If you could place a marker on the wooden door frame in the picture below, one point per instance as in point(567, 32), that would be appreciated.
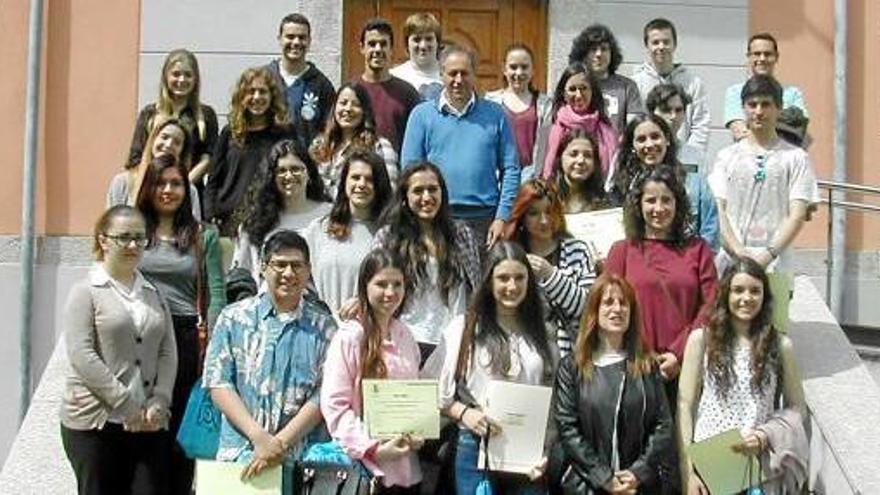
point(529, 24)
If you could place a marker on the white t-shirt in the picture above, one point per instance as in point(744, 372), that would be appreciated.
point(758, 200)
point(428, 84)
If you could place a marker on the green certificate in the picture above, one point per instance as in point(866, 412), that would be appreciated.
point(723, 470)
point(394, 407)
point(213, 477)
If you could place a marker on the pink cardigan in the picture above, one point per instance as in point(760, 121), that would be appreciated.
point(341, 397)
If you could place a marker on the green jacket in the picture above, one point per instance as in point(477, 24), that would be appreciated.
point(213, 270)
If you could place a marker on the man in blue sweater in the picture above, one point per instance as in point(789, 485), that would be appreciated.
point(471, 141)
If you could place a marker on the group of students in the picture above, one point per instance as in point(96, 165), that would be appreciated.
point(399, 239)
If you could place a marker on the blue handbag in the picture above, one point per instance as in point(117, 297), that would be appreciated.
point(199, 433)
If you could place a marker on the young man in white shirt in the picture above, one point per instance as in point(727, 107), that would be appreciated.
point(764, 185)
point(422, 34)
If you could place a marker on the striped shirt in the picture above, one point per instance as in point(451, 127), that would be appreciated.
point(566, 291)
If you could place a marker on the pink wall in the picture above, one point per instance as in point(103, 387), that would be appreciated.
point(805, 30)
point(89, 106)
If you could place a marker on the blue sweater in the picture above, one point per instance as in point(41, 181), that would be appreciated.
point(476, 153)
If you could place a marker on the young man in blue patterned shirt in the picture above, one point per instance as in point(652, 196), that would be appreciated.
point(264, 362)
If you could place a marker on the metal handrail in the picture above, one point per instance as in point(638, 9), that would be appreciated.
point(845, 187)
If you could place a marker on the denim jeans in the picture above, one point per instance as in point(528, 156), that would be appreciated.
point(468, 474)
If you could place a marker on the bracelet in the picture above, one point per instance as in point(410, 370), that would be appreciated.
point(461, 414)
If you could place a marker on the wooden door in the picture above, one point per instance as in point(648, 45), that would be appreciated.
point(485, 26)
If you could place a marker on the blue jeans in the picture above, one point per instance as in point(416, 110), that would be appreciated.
point(468, 475)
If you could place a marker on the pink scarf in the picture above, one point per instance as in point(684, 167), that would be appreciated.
point(566, 120)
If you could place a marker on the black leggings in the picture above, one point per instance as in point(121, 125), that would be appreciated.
point(112, 461)
point(182, 468)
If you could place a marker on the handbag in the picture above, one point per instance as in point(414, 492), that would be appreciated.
point(318, 478)
point(199, 432)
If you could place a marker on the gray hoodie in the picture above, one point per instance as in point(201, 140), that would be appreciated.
point(695, 130)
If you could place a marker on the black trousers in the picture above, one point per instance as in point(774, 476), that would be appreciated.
point(182, 467)
point(112, 461)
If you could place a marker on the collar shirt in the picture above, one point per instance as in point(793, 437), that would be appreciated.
point(272, 361)
point(444, 105)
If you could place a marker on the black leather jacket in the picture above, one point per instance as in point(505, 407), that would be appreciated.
point(645, 441)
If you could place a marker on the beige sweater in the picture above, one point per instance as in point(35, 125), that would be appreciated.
point(105, 352)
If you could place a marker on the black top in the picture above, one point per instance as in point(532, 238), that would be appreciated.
point(186, 117)
point(584, 412)
point(309, 100)
point(233, 169)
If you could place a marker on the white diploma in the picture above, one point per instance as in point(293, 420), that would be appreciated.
point(598, 229)
point(522, 412)
point(395, 407)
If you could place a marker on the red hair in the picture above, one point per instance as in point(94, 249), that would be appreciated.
point(530, 191)
point(640, 360)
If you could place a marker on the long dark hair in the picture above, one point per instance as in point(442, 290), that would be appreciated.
point(481, 324)
point(365, 135)
point(405, 235)
point(639, 358)
point(593, 189)
point(339, 225)
point(263, 203)
point(681, 230)
point(186, 228)
point(372, 364)
point(597, 102)
point(629, 166)
point(763, 336)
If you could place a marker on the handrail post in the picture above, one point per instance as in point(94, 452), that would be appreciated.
point(829, 257)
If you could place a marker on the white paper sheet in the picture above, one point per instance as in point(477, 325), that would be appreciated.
point(522, 411)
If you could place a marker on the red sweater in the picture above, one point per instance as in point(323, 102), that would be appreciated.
point(688, 273)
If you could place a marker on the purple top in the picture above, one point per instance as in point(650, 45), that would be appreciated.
point(524, 125)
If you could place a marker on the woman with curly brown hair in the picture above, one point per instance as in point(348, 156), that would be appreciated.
point(734, 369)
point(671, 269)
point(257, 120)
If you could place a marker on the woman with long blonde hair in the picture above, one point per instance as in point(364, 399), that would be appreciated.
point(178, 98)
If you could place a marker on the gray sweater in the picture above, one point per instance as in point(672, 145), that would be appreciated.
point(105, 352)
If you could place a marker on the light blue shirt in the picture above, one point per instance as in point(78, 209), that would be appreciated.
point(272, 361)
point(733, 108)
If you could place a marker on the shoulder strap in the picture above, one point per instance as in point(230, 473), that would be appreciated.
point(201, 293)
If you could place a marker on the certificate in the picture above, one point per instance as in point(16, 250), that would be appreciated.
point(722, 470)
point(522, 412)
point(598, 229)
point(213, 477)
point(394, 407)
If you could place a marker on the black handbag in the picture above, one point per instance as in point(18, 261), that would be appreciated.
point(318, 478)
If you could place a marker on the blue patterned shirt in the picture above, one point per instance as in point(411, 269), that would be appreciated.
point(272, 361)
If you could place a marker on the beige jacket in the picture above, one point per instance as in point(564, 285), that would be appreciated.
point(105, 353)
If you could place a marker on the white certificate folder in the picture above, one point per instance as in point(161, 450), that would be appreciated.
point(522, 412)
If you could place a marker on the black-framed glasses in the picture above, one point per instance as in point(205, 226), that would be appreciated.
point(761, 173)
point(281, 266)
point(125, 240)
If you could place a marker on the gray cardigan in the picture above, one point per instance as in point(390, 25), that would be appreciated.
point(104, 352)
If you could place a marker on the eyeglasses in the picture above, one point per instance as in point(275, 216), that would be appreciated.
point(281, 172)
point(279, 266)
point(125, 240)
point(761, 173)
